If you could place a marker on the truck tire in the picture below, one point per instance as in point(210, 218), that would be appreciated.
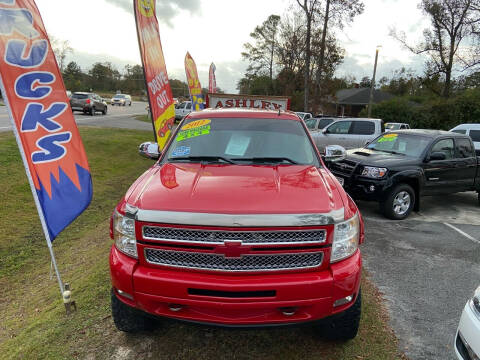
point(92, 111)
point(345, 326)
point(399, 203)
point(129, 320)
point(104, 112)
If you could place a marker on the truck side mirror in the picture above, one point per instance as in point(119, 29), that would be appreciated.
point(334, 153)
point(437, 155)
point(149, 150)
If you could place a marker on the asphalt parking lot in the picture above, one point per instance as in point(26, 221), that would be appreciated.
point(427, 266)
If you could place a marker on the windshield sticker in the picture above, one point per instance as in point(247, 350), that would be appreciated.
point(181, 151)
point(387, 138)
point(199, 131)
point(237, 145)
point(196, 124)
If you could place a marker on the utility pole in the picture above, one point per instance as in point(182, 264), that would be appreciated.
point(372, 84)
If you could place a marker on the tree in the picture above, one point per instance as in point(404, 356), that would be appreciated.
point(104, 76)
point(261, 54)
point(453, 23)
point(133, 79)
point(310, 9)
point(365, 82)
point(339, 13)
point(61, 48)
point(73, 77)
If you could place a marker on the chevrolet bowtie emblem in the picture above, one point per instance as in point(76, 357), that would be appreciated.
point(232, 249)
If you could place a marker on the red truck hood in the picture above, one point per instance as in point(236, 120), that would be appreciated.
point(236, 189)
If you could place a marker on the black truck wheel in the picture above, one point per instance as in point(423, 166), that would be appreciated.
point(128, 319)
point(92, 111)
point(399, 203)
point(344, 326)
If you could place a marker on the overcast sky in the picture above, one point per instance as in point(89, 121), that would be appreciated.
point(215, 30)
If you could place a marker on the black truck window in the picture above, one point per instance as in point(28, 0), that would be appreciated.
point(464, 148)
point(444, 146)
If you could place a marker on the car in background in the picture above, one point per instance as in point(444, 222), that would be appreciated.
point(472, 130)
point(399, 167)
point(467, 339)
point(88, 103)
point(304, 115)
point(396, 126)
point(318, 123)
point(349, 133)
point(183, 109)
point(69, 93)
point(121, 100)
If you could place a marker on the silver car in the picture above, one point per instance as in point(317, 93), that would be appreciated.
point(349, 132)
point(315, 124)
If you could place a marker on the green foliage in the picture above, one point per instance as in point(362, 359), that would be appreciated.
point(437, 113)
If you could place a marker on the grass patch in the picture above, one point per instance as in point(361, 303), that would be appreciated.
point(144, 118)
point(34, 325)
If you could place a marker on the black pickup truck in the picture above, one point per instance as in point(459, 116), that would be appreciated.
point(397, 168)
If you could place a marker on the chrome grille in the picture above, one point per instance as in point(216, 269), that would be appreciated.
point(246, 237)
point(216, 262)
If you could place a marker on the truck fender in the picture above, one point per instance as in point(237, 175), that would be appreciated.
point(412, 177)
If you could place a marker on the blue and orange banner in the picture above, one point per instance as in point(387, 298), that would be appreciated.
point(198, 103)
point(43, 123)
point(158, 87)
point(212, 82)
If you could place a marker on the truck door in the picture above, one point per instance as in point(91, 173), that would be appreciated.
point(440, 175)
point(338, 133)
point(466, 164)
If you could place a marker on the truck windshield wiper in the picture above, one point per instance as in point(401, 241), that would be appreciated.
point(267, 159)
point(201, 158)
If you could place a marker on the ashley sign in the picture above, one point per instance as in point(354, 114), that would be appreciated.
point(248, 101)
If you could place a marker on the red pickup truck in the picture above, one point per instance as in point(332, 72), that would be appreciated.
point(238, 223)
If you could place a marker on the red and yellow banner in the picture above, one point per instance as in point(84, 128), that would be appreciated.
point(158, 87)
point(194, 86)
point(212, 82)
point(43, 123)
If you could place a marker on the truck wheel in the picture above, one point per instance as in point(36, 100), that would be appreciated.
point(345, 326)
point(128, 319)
point(399, 203)
point(104, 112)
point(92, 111)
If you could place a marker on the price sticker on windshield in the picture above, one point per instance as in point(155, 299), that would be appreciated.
point(387, 138)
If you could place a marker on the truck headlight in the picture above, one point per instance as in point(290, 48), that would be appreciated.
point(475, 302)
point(374, 172)
point(124, 234)
point(345, 239)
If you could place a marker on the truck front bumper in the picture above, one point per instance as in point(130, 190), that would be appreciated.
point(236, 300)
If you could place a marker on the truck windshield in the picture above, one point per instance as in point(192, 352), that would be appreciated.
point(243, 141)
point(404, 144)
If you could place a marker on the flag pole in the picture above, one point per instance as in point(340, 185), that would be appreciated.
point(32, 186)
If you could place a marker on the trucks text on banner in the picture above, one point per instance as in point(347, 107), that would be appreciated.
point(194, 84)
point(43, 123)
point(155, 70)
